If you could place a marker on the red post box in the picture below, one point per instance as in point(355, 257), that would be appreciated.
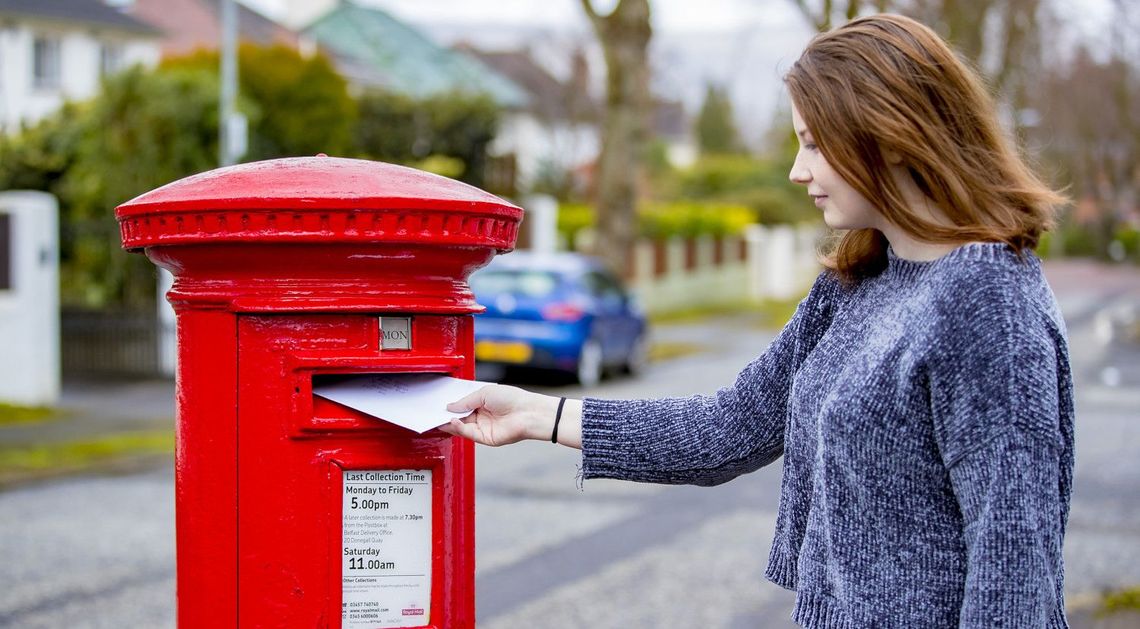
point(293, 511)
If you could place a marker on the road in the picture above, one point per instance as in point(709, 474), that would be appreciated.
point(99, 552)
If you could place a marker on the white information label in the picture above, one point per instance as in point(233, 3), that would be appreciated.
point(386, 554)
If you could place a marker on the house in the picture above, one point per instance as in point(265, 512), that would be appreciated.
point(372, 49)
point(57, 50)
point(189, 25)
point(556, 133)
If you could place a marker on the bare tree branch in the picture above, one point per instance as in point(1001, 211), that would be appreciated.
point(820, 21)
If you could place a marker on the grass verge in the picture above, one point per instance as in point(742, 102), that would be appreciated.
point(775, 313)
point(15, 414)
point(696, 313)
point(1117, 601)
point(668, 351)
point(34, 461)
point(769, 313)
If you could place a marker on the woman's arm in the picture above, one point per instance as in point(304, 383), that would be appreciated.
point(1000, 399)
point(703, 439)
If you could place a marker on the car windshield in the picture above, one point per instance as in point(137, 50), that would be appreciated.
point(519, 282)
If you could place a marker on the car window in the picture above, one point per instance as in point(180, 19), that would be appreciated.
point(603, 285)
point(520, 282)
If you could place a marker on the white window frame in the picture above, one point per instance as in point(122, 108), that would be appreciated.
point(47, 62)
point(110, 58)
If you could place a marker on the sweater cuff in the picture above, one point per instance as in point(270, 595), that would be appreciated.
point(602, 423)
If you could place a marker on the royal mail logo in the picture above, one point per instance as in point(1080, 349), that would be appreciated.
point(413, 611)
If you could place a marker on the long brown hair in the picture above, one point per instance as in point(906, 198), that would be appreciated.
point(888, 83)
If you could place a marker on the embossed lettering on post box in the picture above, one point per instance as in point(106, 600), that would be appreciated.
point(395, 333)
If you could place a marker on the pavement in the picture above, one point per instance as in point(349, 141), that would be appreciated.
point(98, 407)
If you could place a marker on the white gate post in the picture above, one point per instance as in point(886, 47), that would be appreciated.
point(29, 298)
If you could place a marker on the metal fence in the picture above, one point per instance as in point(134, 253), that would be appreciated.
point(109, 343)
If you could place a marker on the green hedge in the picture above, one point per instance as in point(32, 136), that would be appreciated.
point(689, 219)
point(661, 221)
point(1129, 238)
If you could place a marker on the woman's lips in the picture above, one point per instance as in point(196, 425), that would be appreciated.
point(819, 199)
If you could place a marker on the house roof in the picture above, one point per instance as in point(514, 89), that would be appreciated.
point(85, 12)
point(373, 48)
point(193, 24)
point(549, 98)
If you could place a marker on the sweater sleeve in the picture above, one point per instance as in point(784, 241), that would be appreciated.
point(996, 407)
point(706, 439)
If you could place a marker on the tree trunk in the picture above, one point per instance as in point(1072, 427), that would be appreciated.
point(624, 35)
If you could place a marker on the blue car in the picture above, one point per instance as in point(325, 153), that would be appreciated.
point(561, 311)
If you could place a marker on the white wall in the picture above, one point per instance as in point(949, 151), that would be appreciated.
point(80, 67)
point(780, 263)
point(533, 142)
point(301, 13)
point(29, 312)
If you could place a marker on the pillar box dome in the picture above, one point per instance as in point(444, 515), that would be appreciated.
point(311, 233)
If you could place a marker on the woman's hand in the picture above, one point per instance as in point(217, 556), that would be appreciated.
point(501, 415)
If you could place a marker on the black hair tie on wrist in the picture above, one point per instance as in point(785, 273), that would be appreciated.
point(557, 418)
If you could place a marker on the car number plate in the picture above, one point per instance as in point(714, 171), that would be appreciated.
point(503, 352)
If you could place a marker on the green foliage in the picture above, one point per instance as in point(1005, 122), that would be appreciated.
point(689, 219)
point(760, 184)
point(391, 128)
point(1045, 245)
point(38, 157)
point(1079, 241)
point(715, 125)
point(296, 105)
point(441, 165)
point(553, 179)
point(656, 159)
point(150, 127)
point(146, 129)
point(684, 219)
point(572, 219)
point(1129, 239)
point(397, 128)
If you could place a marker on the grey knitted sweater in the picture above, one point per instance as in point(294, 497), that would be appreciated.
point(925, 417)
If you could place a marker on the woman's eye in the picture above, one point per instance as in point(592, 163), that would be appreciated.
point(809, 147)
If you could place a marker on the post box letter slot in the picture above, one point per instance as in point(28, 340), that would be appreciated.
point(315, 415)
point(386, 539)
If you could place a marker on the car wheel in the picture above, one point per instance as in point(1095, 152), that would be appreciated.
point(589, 370)
point(638, 358)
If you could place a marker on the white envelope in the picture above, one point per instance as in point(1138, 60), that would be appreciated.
point(416, 401)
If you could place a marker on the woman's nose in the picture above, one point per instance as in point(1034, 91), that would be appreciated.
point(799, 174)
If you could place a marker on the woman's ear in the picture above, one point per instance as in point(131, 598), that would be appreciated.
point(892, 157)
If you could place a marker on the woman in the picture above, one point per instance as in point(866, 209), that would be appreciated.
point(921, 394)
